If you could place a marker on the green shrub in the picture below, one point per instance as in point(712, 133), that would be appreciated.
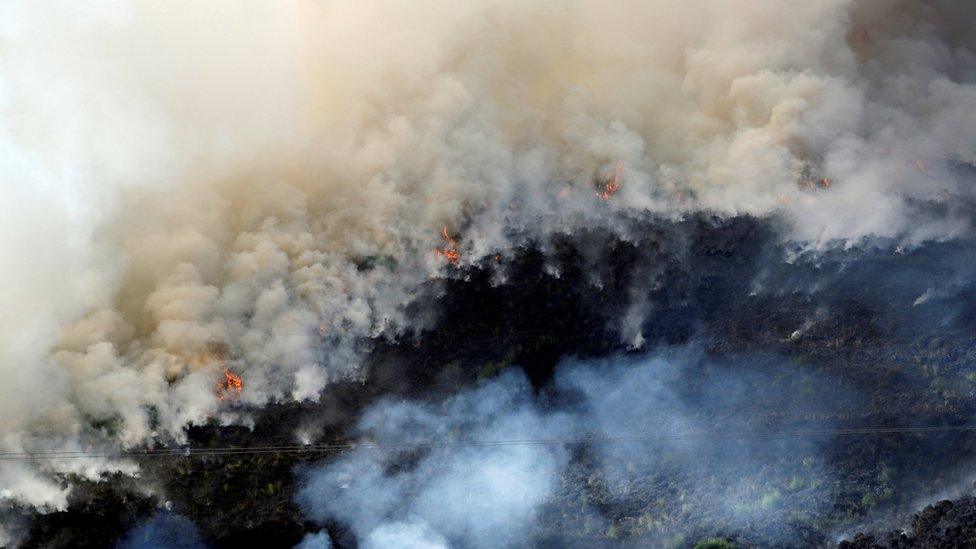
point(868, 500)
point(770, 499)
point(714, 543)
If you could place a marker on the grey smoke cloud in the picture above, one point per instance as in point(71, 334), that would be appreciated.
point(163, 531)
point(494, 495)
point(495, 491)
point(258, 188)
point(320, 540)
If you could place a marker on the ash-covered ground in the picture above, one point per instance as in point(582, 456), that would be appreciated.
point(738, 337)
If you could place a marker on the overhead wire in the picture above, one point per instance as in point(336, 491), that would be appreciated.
point(215, 451)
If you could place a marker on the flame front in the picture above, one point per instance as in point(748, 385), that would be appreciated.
point(611, 185)
point(232, 384)
point(450, 250)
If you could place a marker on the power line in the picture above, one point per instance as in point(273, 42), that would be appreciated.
point(435, 444)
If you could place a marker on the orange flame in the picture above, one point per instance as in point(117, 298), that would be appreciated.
point(232, 385)
point(450, 250)
point(809, 185)
point(612, 184)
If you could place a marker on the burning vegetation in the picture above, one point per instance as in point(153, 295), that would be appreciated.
point(810, 184)
point(610, 185)
point(230, 386)
point(449, 250)
point(300, 204)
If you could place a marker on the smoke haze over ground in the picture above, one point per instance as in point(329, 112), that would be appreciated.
point(502, 495)
point(270, 190)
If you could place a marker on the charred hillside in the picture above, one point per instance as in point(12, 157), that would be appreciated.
point(838, 342)
point(943, 524)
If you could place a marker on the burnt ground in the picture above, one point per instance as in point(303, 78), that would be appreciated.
point(941, 525)
point(728, 286)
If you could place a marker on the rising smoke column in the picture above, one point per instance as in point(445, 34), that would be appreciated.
point(258, 188)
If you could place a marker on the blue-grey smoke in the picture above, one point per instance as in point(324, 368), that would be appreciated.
point(506, 495)
point(163, 531)
point(318, 540)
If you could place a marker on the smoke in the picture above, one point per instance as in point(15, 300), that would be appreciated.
point(320, 540)
point(260, 188)
point(495, 491)
point(489, 490)
point(163, 531)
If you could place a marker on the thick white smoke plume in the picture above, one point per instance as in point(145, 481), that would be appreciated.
point(256, 187)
